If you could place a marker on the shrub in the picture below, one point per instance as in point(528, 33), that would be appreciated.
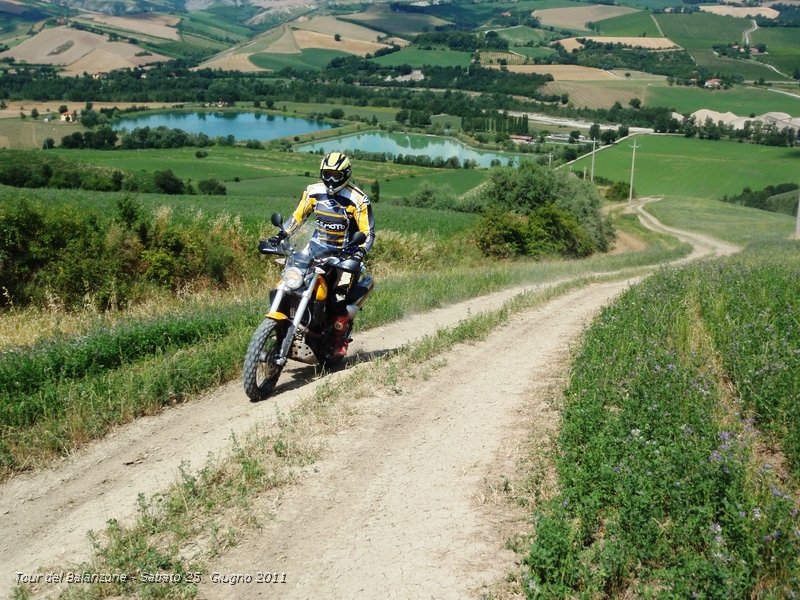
point(167, 182)
point(212, 187)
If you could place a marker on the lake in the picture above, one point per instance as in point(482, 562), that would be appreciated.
point(241, 125)
point(409, 144)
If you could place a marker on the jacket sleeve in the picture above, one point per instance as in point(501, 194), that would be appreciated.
point(304, 208)
point(366, 223)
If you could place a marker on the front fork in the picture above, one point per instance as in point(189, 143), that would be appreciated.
point(288, 339)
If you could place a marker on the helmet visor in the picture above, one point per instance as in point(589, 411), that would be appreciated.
point(333, 178)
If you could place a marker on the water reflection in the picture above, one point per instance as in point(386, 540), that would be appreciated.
point(393, 144)
point(241, 125)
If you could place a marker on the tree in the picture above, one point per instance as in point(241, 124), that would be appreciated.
point(594, 131)
point(375, 191)
point(212, 187)
point(34, 113)
point(635, 103)
point(337, 37)
point(167, 182)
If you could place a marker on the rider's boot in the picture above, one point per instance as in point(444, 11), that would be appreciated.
point(341, 335)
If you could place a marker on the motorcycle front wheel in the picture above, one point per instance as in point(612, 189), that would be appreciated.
point(260, 371)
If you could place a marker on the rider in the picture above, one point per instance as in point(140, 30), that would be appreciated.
point(340, 209)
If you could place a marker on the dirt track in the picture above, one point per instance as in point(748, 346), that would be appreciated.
point(394, 508)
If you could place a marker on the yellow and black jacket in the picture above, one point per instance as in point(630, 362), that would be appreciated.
point(338, 217)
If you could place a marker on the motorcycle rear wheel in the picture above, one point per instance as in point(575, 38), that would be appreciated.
point(260, 371)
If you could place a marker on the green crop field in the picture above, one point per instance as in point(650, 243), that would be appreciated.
point(638, 24)
point(310, 58)
point(702, 30)
point(418, 58)
point(535, 52)
point(381, 18)
point(678, 166)
point(521, 35)
point(737, 224)
point(738, 100)
point(698, 32)
point(783, 47)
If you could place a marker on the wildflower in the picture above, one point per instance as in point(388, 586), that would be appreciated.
point(757, 514)
point(716, 456)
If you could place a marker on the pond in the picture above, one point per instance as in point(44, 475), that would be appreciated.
point(409, 144)
point(241, 125)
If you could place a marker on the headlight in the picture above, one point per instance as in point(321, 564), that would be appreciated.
point(292, 278)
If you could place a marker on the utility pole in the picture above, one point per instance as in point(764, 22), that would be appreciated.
point(797, 224)
point(550, 160)
point(633, 163)
point(593, 143)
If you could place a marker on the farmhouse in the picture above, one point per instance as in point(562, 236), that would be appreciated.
point(69, 116)
point(712, 84)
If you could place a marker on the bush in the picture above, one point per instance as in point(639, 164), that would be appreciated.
point(618, 191)
point(167, 182)
point(77, 256)
point(212, 187)
point(531, 188)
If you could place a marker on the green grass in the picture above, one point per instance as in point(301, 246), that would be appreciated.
point(214, 24)
point(520, 35)
point(678, 166)
point(382, 114)
point(742, 101)
point(310, 58)
point(783, 49)
point(698, 32)
point(536, 52)
point(634, 24)
point(418, 58)
point(702, 30)
point(663, 488)
point(379, 17)
point(736, 224)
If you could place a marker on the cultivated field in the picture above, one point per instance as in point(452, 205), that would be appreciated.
point(741, 11)
point(603, 94)
point(156, 25)
point(678, 166)
point(648, 43)
point(79, 51)
point(577, 17)
point(564, 72)
point(381, 18)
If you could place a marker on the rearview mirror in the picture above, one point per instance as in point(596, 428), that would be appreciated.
point(277, 219)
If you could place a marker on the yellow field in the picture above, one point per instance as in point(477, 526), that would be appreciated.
point(571, 44)
point(494, 58)
point(331, 26)
point(592, 94)
point(79, 51)
point(741, 11)
point(313, 39)
point(160, 26)
point(577, 17)
point(563, 72)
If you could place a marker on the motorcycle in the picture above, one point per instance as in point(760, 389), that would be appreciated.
point(315, 285)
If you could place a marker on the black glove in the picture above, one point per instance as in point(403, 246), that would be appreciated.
point(359, 254)
point(275, 240)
